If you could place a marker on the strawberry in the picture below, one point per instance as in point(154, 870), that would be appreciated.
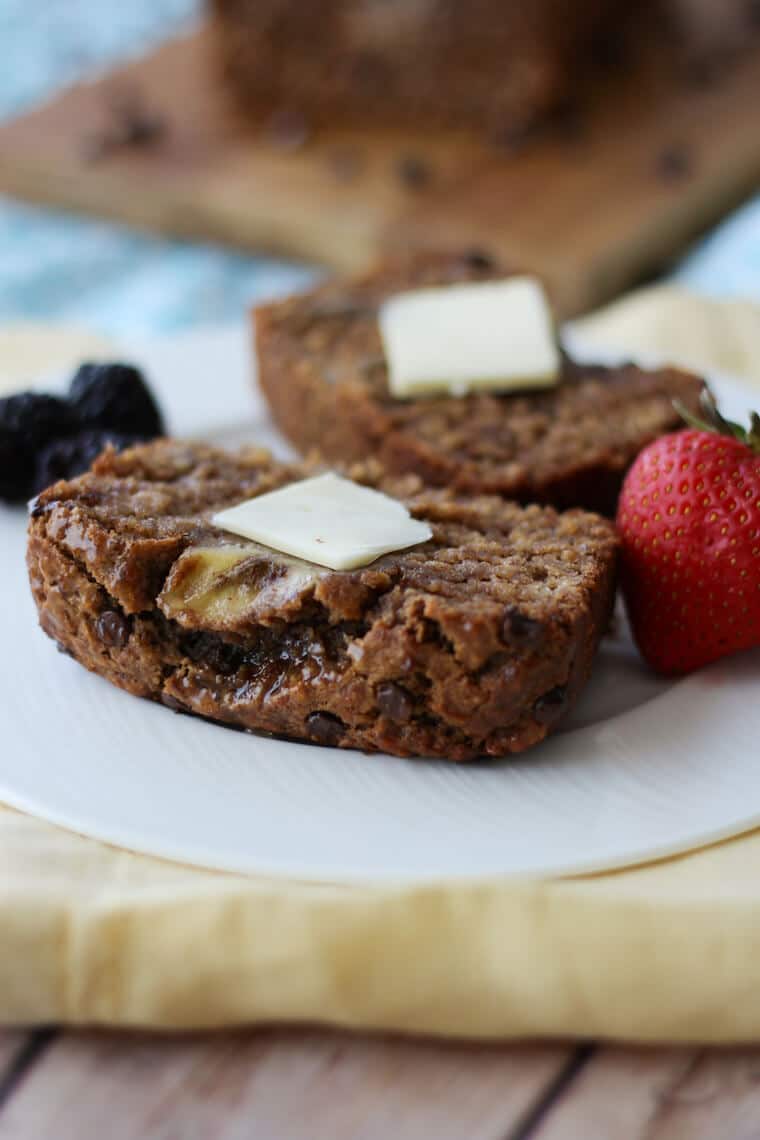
point(689, 521)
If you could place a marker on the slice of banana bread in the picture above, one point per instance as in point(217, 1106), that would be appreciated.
point(321, 367)
point(475, 643)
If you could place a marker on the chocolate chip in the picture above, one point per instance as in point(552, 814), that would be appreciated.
point(38, 509)
point(520, 628)
point(340, 308)
point(113, 629)
point(370, 71)
point(369, 364)
point(130, 124)
point(551, 705)
point(674, 164)
point(569, 122)
point(702, 71)
point(414, 172)
point(513, 138)
point(288, 130)
point(324, 728)
point(610, 50)
point(478, 261)
point(172, 703)
point(207, 649)
point(346, 163)
point(394, 702)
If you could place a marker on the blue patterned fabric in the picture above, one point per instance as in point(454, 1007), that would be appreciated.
point(54, 266)
point(63, 268)
point(727, 263)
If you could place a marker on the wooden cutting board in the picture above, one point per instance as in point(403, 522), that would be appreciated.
point(595, 203)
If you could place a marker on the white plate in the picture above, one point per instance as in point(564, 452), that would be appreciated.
point(642, 769)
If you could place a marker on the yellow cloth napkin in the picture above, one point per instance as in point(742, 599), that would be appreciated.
point(668, 952)
point(672, 324)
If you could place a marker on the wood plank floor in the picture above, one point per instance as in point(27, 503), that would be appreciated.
point(312, 1084)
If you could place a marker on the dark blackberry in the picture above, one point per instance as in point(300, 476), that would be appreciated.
point(116, 397)
point(28, 421)
point(34, 419)
point(65, 458)
point(16, 469)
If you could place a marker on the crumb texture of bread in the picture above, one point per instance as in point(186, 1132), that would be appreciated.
point(322, 369)
point(475, 643)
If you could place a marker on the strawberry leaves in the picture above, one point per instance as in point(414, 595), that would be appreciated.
point(713, 421)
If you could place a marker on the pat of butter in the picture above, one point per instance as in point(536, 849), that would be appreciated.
point(327, 520)
point(494, 335)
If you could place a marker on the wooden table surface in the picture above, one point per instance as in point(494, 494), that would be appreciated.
point(309, 1084)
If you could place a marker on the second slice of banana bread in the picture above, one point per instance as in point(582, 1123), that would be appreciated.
point(322, 370)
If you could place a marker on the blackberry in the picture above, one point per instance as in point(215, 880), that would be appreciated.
point(115, 397)
point(65, 458)
point(16, 469)
point(34, 419)
point(28, 422)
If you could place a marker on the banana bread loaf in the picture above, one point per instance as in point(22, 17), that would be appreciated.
point(492, 64)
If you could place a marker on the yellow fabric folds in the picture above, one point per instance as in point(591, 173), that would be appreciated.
point(674, 325)
point(669, 952)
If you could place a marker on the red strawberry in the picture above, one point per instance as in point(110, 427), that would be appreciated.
point(689, 520)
